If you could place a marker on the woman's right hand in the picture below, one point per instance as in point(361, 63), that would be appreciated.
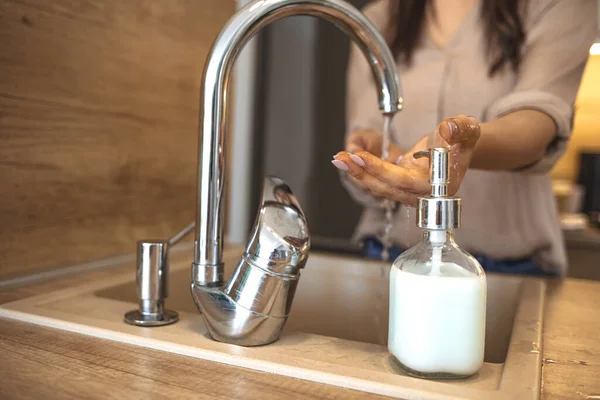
point(370, 141)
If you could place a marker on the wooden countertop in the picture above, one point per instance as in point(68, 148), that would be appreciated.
point(38, 362)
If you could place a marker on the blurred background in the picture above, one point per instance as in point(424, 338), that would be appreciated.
point(300, 126)
point(98, 125)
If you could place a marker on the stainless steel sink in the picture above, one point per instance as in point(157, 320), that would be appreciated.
point(336, 333)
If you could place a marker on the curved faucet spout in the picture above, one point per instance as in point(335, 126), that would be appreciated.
point(212, 130)
point(207, 268)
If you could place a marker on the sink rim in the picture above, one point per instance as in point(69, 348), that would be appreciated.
point(49, 310)
point(347, 298)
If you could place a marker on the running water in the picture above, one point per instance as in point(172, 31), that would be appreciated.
point(387, 204)
point(380, 329)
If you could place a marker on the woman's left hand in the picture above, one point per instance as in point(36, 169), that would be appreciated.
point(409, 180)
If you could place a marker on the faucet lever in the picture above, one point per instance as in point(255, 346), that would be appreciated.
point(252, 307)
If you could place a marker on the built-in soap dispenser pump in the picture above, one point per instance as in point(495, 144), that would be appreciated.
point(437, 290)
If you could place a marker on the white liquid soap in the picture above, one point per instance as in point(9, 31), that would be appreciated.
point(437, 290)
point(437, 323)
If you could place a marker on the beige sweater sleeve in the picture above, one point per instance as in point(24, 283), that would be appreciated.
point(361, 95)
point(559, 36)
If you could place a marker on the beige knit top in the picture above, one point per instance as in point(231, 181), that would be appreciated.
point(506, 214)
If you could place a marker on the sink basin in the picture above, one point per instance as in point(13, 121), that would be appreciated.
point(336, 332)
point(347, 298)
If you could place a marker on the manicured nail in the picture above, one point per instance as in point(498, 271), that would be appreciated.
point(399, 160)
point(452, 127)
point(357, 160)
point(340, 165)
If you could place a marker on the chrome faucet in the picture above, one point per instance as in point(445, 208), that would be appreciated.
point(251, 309)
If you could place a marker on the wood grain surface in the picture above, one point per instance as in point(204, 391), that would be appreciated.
point(571, 366)
point(44, 363)
point(98, 124)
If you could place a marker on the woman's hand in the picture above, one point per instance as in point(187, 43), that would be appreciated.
point(369, 141)
point(408, 178)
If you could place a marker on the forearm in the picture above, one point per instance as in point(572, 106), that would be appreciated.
point(513, 141)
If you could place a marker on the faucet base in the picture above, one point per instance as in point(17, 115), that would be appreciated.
point(205, 274)
point(229, 322)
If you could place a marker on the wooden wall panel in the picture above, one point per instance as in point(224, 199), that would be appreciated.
point(98, 119)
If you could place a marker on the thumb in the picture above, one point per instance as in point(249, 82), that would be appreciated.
point(461, 129)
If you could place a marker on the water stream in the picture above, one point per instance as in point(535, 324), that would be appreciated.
point(387, 204)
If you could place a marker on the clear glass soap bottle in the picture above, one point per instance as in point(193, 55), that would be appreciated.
point(437, 291)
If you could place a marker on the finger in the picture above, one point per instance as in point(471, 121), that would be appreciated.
point(357, 174)
point(353, 169)
point(461, 129)
point(463, 145)
point(400, 178)
point(363, 182)
point(358, 183)
point(344, 166)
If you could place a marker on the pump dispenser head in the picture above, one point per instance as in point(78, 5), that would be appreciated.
point(438, 211)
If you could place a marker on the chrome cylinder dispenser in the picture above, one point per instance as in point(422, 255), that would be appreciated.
point(152, 285)
point(152, 281)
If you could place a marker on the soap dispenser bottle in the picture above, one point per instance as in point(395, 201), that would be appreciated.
point(437, 290)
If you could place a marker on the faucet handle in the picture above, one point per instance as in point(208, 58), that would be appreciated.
point(280, 240)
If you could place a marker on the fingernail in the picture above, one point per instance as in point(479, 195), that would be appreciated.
point(340, 165)
point(357, 160)
point(399, 160)
point(452, 127)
